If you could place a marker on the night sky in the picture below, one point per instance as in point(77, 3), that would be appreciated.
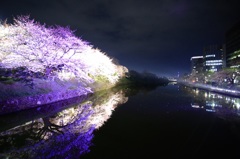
point(159, 36)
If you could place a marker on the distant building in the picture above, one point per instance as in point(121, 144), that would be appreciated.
point(197, 64)
point(232, 39)
point(213, 58)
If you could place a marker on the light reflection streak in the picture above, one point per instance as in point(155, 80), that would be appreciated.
point(210, 110)
point(213, 102)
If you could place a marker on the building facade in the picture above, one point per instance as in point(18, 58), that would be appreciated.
point(232, 40)
point(196, 64)
point(213, 58)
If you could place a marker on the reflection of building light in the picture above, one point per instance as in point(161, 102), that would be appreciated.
point(237, 105)
point(197, 91)
point(210, 110)
point(212, 104)
point(205, 94)
point(195, 106)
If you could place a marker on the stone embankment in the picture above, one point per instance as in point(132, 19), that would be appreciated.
point(21, 103)
point(232, 91)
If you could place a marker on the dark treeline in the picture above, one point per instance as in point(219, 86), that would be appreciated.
point(143, 79)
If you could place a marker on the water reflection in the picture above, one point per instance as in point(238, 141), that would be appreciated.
point(213, 102)
point(66, 130)
point(64, 134)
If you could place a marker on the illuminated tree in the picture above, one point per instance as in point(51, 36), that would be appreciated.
point(54, 52)
point(228, 75)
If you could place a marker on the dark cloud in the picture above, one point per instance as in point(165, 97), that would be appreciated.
point(158, 36)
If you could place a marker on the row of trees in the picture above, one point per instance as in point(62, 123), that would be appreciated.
point(226, 76)
point(135, 78)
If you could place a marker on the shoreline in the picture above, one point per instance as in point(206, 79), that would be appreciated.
point(220, 90)
point(27, 102)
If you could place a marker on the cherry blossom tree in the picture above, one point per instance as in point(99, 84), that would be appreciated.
point(53, 51)
point(228, 75)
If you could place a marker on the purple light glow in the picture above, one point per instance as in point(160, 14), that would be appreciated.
point(53, 51)
point(67, 134)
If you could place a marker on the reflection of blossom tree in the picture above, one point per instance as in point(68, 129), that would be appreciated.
point(67, 134)
point(228, 74)
point(74, 142)
point(39, 141)
point(48, 127)
point(104, 106)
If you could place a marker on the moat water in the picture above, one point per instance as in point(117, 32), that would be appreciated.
point(170, 121)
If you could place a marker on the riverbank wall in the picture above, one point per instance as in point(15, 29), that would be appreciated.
point(233, 91)
point(22, 103)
